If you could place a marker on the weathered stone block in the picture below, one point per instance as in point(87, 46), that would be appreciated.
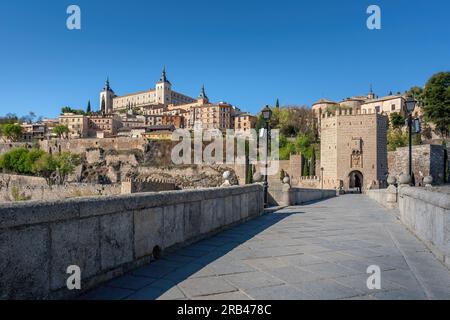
point(116, 233)
point(74, 242)
point(244, 205)
point(209, 208)
point(219, 214)
point(228, 211)
point(192, 219)
point(173, 225)
point(148, 231)
point(25, 256)
point(236, 213)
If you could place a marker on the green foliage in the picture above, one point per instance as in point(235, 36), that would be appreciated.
point(65, 164)
point(45, 166)
point(416, 139)
point(397, 120)
point(19, 160)
point(291, 121)
point(54, 168)
point(11, 131)
point(17, 196)
point(88, 109)
point(436, 96)
point(74, 111)
point(396, 138)
point(60, 130)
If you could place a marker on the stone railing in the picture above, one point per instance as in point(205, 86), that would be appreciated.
point(426, 212)
point(285, 195)
point(107, 236)
point(386, 197)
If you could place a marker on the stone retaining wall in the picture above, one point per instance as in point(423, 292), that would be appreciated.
point(107, 236)
point(427, 214)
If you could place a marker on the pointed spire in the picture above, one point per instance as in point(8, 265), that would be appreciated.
point(107, 86)
point(203, 93)
point(163, 75)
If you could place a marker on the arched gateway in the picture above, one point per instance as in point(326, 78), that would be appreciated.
point(355, 181)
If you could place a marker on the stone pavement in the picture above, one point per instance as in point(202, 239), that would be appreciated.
point(316, 251)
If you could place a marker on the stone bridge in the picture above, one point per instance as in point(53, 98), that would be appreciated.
point(317, 251)
point(218, 244)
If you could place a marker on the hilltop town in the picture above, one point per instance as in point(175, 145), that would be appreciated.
point(125, 146)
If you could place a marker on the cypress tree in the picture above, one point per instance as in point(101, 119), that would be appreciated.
point(88, 109)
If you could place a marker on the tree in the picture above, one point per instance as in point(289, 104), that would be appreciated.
point(65, 164)
point(277, 105)
point(74, 111)
point(45, 166)
point(436, 96)
point(61, 131)
point(103, 106)
point(12, 132)
point(396, 138)
point(417, 93)
point(88, 109)
point(397, 120)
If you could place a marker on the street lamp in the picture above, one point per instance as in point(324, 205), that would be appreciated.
point(321, 175)
point(267, 114)
point(410, 105)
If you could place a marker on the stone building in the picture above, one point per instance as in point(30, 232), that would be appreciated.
point(78, 124)
point(107, 125)
point(244, 122)
point(162, 94)
point(353, 150)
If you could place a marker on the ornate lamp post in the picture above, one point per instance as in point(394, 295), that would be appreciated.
point(321, 175)
point(410, 105)
point(267, 114)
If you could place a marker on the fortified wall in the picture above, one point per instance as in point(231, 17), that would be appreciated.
point(428, 159)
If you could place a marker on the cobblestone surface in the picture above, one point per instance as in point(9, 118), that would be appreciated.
point(316, 251)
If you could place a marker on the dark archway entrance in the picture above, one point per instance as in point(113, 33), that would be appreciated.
point(355, 181)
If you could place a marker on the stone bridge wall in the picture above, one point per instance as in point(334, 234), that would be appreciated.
point(107, 236)
point(427, 214)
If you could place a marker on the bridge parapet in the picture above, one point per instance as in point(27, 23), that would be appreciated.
point(108, 236)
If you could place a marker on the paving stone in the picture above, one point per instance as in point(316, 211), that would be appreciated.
point(293, 274)
point(327, 289)
point(130, 282)
point(205, 286)
point(107, 293)
point(252, 280)
point(283, 292)
point(173, 293)
point(231, 296)
point(152, 271)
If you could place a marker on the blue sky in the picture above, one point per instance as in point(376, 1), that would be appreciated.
point(245, 52)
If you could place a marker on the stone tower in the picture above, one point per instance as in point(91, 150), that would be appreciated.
point(106, 99)
point(354, 150)
point(163, 89)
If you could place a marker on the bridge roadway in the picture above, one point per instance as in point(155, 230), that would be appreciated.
point(317, 251)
